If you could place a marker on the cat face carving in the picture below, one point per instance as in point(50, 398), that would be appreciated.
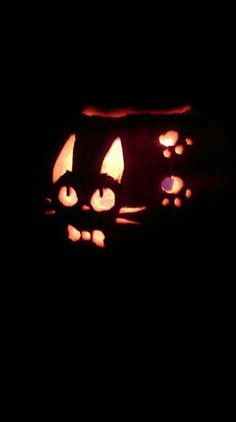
point(94, 205)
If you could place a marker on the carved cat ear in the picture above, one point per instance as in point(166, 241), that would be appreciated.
point(64, 160)
point(113, 162)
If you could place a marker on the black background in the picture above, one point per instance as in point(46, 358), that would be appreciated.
point(108, 349)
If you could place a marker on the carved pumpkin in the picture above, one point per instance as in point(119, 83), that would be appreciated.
point(122, 171)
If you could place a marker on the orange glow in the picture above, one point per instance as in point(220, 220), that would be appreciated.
point(98, 238)
point(126, 221)
point(48, 200)
point(50, 212)
point(116, 113)
point(113, 163)
point(188, 193)
point(189, 141)
point(128, 210)
point(169, 139)
point(86, 235)
point(178, 202)
point(104, 202)
point(165, 202)
point(179, 149)
point(67, 196)
point(73, 234)
point(172, 184)
point(64, 160)
point(167, 153)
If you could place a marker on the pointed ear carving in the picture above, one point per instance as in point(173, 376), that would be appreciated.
point(113, 162)
point(64, 160)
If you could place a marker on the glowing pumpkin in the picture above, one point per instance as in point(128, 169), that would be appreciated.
point(122, 168)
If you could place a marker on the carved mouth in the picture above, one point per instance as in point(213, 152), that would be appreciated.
point(97, 237)
point(88, 233)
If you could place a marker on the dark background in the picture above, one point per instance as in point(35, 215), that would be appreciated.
point(110, 350)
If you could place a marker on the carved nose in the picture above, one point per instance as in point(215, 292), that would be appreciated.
point(85, 208)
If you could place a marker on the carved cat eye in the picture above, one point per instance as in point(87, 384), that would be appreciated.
point(103, 202)
point(67, 196)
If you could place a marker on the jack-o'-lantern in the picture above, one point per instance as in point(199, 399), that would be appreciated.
point(128, 169)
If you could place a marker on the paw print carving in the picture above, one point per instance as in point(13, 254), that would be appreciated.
point(173, 143)
point(175, 191)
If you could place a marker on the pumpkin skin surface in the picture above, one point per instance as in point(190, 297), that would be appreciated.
point(124, 174)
